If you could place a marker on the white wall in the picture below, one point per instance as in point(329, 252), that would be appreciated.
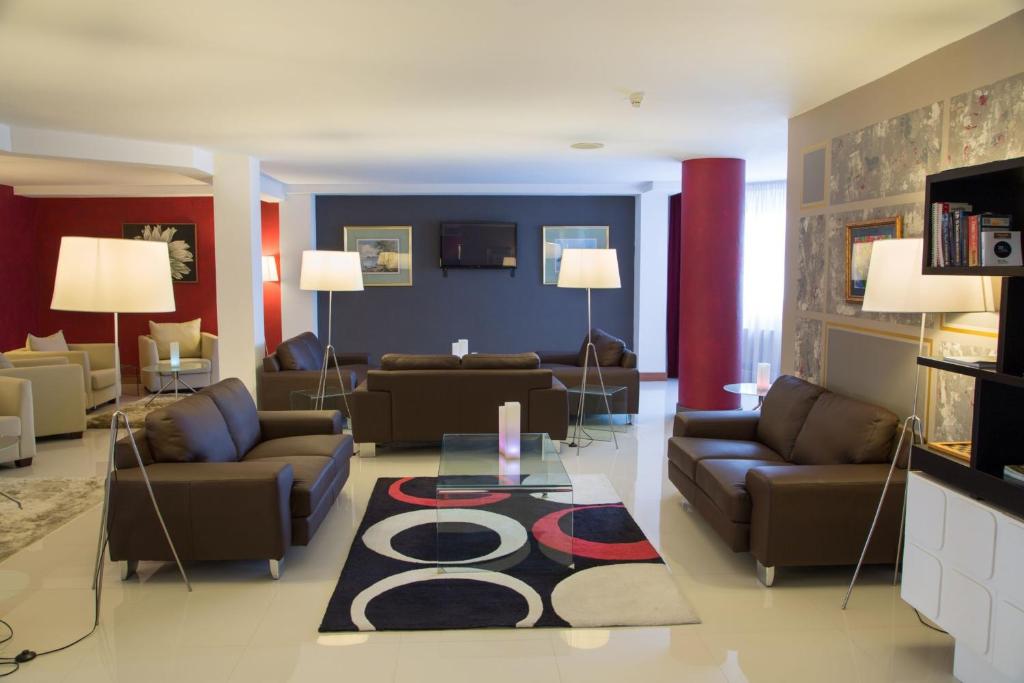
point(298, 233)
point(650, 279)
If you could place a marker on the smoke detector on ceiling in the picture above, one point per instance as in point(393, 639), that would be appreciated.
point(636, 99)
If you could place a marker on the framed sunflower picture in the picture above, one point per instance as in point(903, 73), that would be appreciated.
point(181, 245)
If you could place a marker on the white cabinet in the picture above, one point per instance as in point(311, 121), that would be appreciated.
point(964, 570)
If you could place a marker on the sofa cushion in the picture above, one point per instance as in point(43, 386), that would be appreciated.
point(5, 364)
point(784, 411)
point(187, 334)
point(501, 361)
point(237, 408)
point(55, 342)
point(411, 361)
point(101, 379)
point(191, 430)
point(687, 451)
point(324, 445)
point(609, 348)
point(313, 476)
point(299, 353)
point(841, 430)
point(725, 483)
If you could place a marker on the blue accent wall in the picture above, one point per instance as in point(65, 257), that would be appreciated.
point(496, 312)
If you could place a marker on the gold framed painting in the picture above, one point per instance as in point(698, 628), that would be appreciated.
point(859, 238)
point(555, 238)
point(385, 253)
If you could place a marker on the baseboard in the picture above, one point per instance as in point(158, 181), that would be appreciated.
point(653, 376)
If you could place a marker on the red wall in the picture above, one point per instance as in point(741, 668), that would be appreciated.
point(101, 217)
point(272, 290)
point(18, 279)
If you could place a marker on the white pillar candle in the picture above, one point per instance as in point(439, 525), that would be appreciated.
point(764, 376)
point(501, 429)
point(175, 354)
point(463, 347)
point(457, 349)
point(512, 424)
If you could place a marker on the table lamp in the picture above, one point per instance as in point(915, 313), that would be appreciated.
point(115, 276)
point(330, 271)
point(590, 269)
point(895, 284)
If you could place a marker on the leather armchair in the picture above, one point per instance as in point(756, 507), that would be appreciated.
point(16, 420)
point(58, 394)
point(100, 380)
point(568, 368)
point(149, 355)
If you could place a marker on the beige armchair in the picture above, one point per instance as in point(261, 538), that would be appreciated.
point(16, 420)
point(58, 394)
point(96, 361)
point(149, 355)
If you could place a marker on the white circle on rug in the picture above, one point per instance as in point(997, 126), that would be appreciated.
point(534, 605)
point(629, 594)
point(511, 534)
point(587, 489)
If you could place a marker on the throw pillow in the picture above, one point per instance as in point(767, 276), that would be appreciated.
point(4, 363)
point(609, 349)
point(188, 336)
point(55, 342)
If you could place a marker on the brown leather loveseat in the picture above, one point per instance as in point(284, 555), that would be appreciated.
point(232, 483)
point(420, 398)
point(295, 365)
point(618, 368)
point(796, 484)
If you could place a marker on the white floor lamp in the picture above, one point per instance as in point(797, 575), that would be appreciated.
point(590, 269)
point(895, 284)
point(115, 276)
point(331, 271)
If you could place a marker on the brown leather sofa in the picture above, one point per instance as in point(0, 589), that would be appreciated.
point(796, 484)
point(618, 368)
point(232, 483)
point(295, 365)
point(419, 398)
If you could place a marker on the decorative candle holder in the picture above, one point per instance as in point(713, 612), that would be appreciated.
point(175, 354)
point(512, 429)
point(764, 376)
point(501, 429)
point(463, 347)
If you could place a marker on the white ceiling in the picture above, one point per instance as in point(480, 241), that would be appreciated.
point(23, 170)
point(457, 91)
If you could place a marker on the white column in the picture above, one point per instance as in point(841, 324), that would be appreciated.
point(650, 279)
point(298, 233)
point(238, 244)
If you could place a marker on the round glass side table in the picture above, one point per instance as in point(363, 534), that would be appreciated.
point(748, 389)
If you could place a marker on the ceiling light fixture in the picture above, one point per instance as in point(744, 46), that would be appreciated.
point(587, 145)
point(636, 98)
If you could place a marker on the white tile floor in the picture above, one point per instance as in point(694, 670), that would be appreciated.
point(238, 625)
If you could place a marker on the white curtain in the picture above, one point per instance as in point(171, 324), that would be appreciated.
point(764, 266)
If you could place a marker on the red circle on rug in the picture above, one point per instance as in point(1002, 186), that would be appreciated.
point(548, 533)
point(395, 491)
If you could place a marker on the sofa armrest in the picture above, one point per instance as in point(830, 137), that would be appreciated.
point(820, 514)
point(58, 397)
point(37, 362)
point(149, 354)
point(371, 415)
point(549, 411)
point(213, 511)
point(101, 355)
point(738, 425)
point(628, 360)
point(352, 358)
point(209, 351)
point(16, 400)
point(277, 424)
point(559, 357)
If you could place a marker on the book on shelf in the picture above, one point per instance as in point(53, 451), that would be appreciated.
point(981, 362)
point(960, 237)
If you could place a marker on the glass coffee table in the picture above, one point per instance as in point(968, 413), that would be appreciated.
point(473, 474)
point(171, 375)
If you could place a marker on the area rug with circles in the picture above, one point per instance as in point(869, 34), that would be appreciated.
point(508, 560)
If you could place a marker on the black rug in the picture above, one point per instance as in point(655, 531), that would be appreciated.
point(505, 563)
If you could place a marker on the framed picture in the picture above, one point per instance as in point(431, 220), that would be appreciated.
point(181, 244)
point(559, 237)
point(385, 253)
point(859, 238)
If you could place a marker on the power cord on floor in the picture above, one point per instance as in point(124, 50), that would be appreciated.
point(925, 623)
point(26, 656)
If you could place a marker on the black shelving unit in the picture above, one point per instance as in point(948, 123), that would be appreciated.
point(997, 429)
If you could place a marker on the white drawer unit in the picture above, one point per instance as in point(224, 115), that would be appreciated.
point(964, 570)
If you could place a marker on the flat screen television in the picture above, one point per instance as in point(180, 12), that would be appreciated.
point(478, 245)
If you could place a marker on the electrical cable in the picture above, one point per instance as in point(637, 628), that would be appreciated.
point(926, 624)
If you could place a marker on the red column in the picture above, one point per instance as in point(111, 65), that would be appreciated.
point(709, 282)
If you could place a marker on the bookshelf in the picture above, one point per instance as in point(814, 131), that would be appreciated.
point(996, 187)
point(997, 429)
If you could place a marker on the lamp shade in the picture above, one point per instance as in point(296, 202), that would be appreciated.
point(589, 269)
point(270, 269)
point(895, 283)
point(112, 276)
point(331, 271)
